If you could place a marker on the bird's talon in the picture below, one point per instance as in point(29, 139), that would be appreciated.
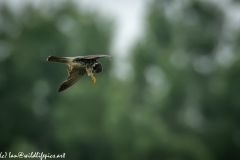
point(94, 79)
point(70, 69)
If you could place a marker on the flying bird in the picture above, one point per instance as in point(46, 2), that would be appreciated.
point(78, 66)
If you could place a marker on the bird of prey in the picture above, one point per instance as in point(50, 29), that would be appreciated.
point(78, 66)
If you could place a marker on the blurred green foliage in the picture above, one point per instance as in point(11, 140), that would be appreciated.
point(182, 102)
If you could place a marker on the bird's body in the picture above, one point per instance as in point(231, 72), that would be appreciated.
point(78, 66)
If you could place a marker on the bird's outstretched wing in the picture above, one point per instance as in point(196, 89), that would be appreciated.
point(72, 78)
point(90, 57)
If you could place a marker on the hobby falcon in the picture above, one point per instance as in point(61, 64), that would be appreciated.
point(78, 66)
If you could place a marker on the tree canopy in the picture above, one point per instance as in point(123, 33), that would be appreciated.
point(181, 102)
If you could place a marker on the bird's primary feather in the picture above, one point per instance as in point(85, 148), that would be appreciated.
point(58, 59)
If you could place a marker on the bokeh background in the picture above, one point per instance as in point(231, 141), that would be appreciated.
point(175, 94)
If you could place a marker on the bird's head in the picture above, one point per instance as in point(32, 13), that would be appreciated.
point(97, 67)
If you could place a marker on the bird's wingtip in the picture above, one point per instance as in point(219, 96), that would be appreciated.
point(61, 88)
point(48, 58)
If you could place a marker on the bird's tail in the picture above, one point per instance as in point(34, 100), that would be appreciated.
point(57, 59)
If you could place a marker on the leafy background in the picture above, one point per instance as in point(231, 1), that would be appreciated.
point(179, 102)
